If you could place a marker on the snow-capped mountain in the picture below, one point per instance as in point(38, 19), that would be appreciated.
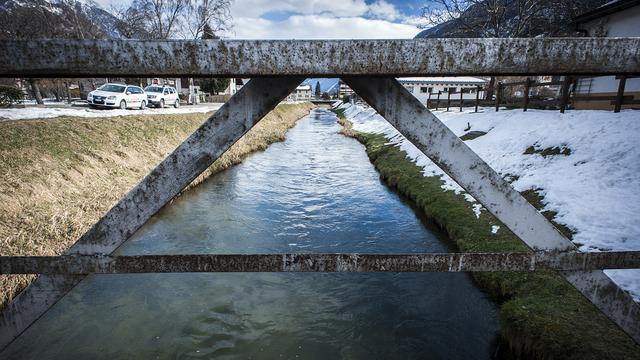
point(31, 19)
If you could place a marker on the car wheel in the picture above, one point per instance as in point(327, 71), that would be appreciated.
point(176, 104)
point(143, 105)
point(123, 105)
point(161, 103)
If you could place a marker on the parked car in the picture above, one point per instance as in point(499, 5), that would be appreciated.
point(118, 96)
point(160, 96)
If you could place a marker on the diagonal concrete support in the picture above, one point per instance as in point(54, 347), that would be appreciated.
point(172, 175)
point(453, 156)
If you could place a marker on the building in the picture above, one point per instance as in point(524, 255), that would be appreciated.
point(301, 93)
point(619, 18)
point(344, 90)
point(421, 87)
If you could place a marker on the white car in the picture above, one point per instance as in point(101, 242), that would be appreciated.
point(118, 96)
point(160, 96)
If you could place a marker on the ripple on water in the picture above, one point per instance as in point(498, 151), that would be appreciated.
point(314, 192)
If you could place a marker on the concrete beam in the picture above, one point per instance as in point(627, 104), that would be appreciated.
point(424, 262)
point(173, 174)
point(412, 119)
point(253, 58)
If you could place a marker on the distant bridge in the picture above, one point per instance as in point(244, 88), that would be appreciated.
point(322, 101)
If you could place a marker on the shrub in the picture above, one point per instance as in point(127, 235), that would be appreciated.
point(9, 95)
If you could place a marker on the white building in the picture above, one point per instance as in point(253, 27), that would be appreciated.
point(301, 93)
point(421, 87)
point(344, 90)
point(619, 18)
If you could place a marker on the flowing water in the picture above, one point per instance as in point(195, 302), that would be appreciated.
point(314, 192)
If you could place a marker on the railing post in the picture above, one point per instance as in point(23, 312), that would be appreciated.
point(461, 99)
point(438, 100)
point(564, 94)
point(448, 99)
point(428, 99)
point(527, 88)
point(477, 96)
point(498, 95)
point(622, 80)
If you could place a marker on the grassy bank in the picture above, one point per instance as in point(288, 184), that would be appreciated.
point(57, 177)
point(541, 315)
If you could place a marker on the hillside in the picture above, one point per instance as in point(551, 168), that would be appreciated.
point(552, 18)
point(85, 19)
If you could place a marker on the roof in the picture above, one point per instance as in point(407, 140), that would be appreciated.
point(607, 9)
point(444, 80)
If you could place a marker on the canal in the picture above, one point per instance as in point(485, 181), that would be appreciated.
point(314, 192)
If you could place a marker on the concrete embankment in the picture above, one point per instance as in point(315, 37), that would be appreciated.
point(58, 176)
point(541, 315)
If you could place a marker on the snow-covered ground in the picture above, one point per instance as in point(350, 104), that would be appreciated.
point(595, 190)
point(52, 112)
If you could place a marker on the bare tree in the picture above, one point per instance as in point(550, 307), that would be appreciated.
point(164, 19)
point(35, 89)
point(210, 15)
point(131, 22)
point(162, 16)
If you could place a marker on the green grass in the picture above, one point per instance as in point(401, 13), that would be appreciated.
point(541, 316)
point(59, 176)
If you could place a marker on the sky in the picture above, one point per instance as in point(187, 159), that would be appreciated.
point(325, 19)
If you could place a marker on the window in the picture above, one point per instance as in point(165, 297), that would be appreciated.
point(155, 89)
point(424, 89)
point(112, 88)
point(453, 89)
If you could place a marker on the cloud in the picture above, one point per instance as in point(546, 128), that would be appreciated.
point(257, 8)
point(383, 10)
point(314, 19)
point(321, 27)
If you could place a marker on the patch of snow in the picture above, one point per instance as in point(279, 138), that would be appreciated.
point(494, 229)
point(595, 190)
point(52, 112)
point(476, 210)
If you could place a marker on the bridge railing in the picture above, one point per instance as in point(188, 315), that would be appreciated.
point(369, 67)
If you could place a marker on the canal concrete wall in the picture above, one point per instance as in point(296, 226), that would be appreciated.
point(59, 176)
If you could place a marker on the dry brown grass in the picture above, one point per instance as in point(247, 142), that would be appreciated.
point(59, 176)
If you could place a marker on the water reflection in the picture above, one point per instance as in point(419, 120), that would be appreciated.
point(315, 192)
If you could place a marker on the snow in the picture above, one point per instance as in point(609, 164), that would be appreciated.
point(443, 80)
point(52, 112)
point(594, 190)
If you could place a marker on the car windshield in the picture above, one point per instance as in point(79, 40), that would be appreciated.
point(112, 88)
point(156, 89)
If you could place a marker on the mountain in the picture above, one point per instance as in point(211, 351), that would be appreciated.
point(328, 85)
point(550, 18)
point(77, 19)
